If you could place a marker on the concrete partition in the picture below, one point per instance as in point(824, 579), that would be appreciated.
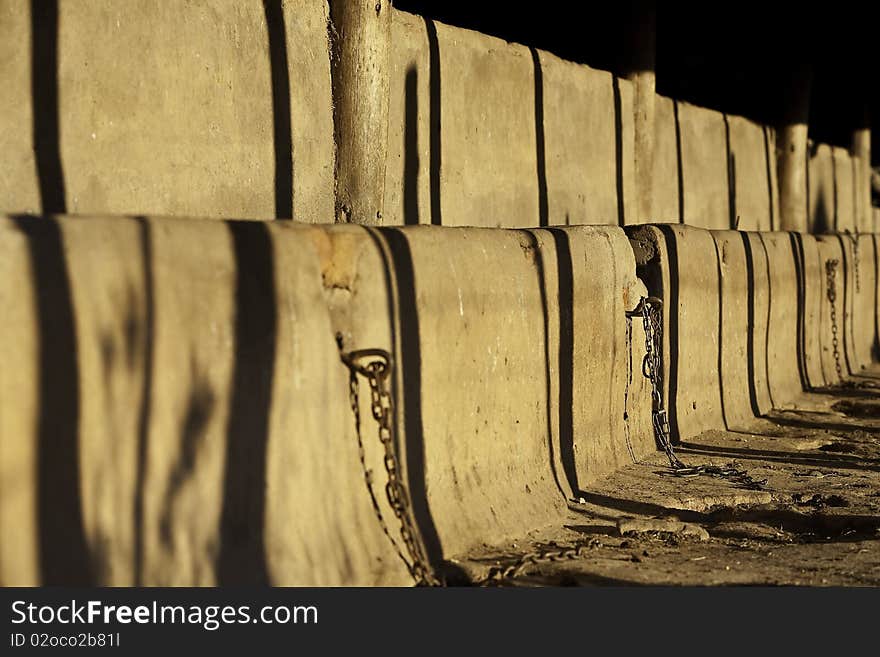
point(752, 174)
point(490, 133)
point(182, 416)
point(747, 322)
point(822, 205)
point(665, 193)
point(215, 109)
point(679, 265)
point(178, 409)
point(704, 170)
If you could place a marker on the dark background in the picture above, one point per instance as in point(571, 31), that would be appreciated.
point(734, 57)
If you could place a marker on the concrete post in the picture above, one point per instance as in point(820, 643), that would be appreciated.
point(792, 152)
point(641, 71)
point(861, 151)
point(360, 32)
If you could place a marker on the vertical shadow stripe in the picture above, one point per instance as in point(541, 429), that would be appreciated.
point(242, 555)
point(750, 333)
point(143, 429)
point(548, 374)
point(769, 173)
point(731, 176)
point(44, 93)
point(618, 149)
point(436, 121)
point(281, 121)
point(411, 161)
point(798, 256)
point(409, 368)
point(540, 147)
point(565, 356)
point(720, 356)
point(64, 555)
point(679, 162)
point(671, 300)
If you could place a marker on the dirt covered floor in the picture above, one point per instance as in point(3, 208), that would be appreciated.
point(816, 521)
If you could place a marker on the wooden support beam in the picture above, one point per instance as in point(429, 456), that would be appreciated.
point(792, 152)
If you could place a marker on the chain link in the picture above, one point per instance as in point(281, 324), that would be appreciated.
point(831, 279)
point(855, 244)
point(650, 309)
point(499, 573)
point(375, 365)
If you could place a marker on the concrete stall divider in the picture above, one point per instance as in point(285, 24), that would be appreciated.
point(183, 414)
point(218, 109)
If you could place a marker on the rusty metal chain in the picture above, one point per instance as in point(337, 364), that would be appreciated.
point(500, 573)
point(375, 365)
point(650, 309)
point(831, 279)
point(855, 244)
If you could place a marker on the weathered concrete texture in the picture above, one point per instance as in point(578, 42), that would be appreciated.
point(855, 303)
point(178, 442)
point(844, 170)
point(182, 414)
point(682, 270)
point(500, 420)
point(484, 132)
point(176, 109)
point(665, 205)
point(753, 199)
point(821, 212)
point(811, 273)
point(747, 321)
point(742, 315)
point(704, 167)
point(784, 372)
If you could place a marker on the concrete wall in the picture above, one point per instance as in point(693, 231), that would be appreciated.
point(182, 416)
point(748, 324)
point(833, 202)
point(167, 108)
point(489, 133)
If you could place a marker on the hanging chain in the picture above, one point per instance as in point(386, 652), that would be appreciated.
point(499, 573)
point(650, 309)
point(375, 365)
point(855, 244)
point(831, 277)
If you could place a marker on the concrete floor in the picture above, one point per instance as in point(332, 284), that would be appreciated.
point(815, 523)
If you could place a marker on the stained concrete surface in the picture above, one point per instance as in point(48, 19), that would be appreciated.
point(815, 523)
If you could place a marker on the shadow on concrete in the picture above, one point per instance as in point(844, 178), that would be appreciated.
point(679, 161)
point(836, 461)
point(146, 409)
point(566, 455)
point(733, 219)
point(540, 146)
point(565, 359)
point(398, 266)
point(618, 150)
point(831, 528)
point(242, 557)
point(45, 105)
point(411, 161)
point(768, 158)
point(64, 554)
point(671, 299)
point(281, 121)
point(799, 258)
point(750, 335)
point(436, 122)
point(199, 407)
